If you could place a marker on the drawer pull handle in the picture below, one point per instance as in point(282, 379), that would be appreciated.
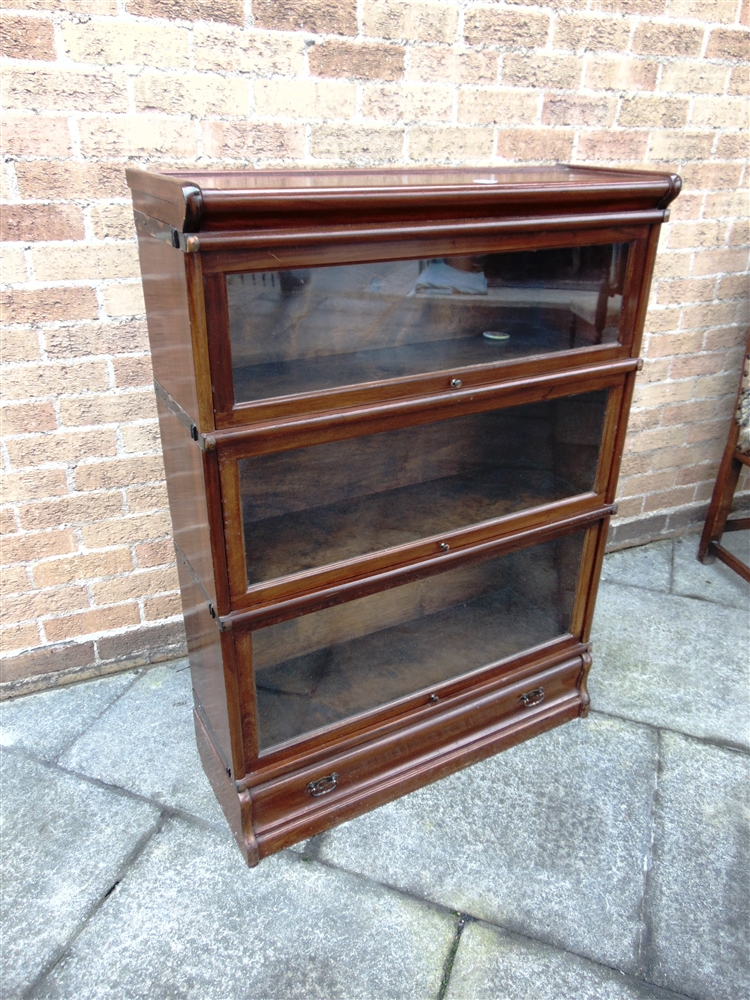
point(323, 785)
point(535, 697)
point(456, 383)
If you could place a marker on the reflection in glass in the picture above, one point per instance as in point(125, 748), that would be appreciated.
point(323, 667)
point(314, 329)
point(325, 503)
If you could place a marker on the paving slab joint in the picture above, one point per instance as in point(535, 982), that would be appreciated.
point(137, 674)
point(450, 958)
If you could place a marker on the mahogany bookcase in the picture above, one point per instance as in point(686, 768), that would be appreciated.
point(392, 407)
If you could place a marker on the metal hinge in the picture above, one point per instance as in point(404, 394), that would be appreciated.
point(206, 442)
point(209, 603)
point(146, 226)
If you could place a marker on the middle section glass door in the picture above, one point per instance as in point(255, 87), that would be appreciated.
point(322, 504)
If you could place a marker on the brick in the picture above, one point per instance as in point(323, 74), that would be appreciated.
point(630, 507)
point(45, 305)
point(620, 73)
point(532, 144)
point(124, 300)
point(647, 111)
point(114, 473)
point(667, 345)
point(12, 265)
point(27, 223)
point(50, 602)
point(720, 262)
point(578, 109)
point(324, 17)
point(245, 140)
point(733, 286)
point(127, 530)
point(726, 338)
point(49, 659)
point(685, 413)
point(357, 61)
point(19, 344)
point(71, 180)
point(100, 7)
point(687, 208)
point(450, 144)
point(739, 81)
point(728, 43)
point(112, 408)
point(728, 204)
point(407, 102)
point(13, 637)
point(83, 567)
point(154, 554)
point(668, 498)
point(45, 136)
point(673, 264)
point(141, 438)
point(497, 107)
point(126, 43)
point(708, 314)
point(74, 509)
point(745, 13)
point(95, 338)
point(191, 94)
point(739, 233)
point(705, 472)
point(135, 585)
point(504, 28)
point(697, 364)
point(85, 623)
point(229, 11)
point(697, 234)
point(721, 10)
point(61, 446)
point(720, 112)
point(634, 464)
point(153, 642)
point(660, 437)
point(27, 418)
point(732, 147)
point(668, 39)
point(33, 545)
point(542, 70)
point(85, 263)
point(642, 420)
point(112, 222)
point(145, 499)
point(662, 320)
point(52, 379)
point(648, 483)
point(27, 38)
point(694, 290)
point(683, 145)
point(133, 372)
point(64, 90)
point(693, 77)
point(137, 135)
point(584, 33)
point(414, 22)
point(305, 98)
point(708, 386)
point(165, 606)
point(14, 580)
point(660, 394)
point(248, 52)
point(450, 65)
point(612, 145)
point(711, 176)
point(33, 485)
point(357, 144)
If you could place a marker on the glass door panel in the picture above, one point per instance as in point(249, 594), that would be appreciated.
point(318, 328)
point(324, 667)
point(325, 503)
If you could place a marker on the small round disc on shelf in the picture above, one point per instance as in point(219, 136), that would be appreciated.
point(495, 335)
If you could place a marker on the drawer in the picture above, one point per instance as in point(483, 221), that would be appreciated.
point(450, 737)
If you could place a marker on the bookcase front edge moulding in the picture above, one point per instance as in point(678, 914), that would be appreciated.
point(392, 405)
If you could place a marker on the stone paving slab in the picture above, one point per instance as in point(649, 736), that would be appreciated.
point(48, 722)
point(699, 890)
point(492, 964)
point(192, 921)
point(548, 839)
point(146, 744)
point(672, 662)
point(647, 566)
point(715, 581)
point(65, 843)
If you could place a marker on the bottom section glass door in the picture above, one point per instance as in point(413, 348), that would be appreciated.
point(323, 667)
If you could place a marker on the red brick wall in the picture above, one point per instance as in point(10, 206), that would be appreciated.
point(93, 85)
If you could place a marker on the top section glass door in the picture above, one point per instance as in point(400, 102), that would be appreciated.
point(320, 328)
